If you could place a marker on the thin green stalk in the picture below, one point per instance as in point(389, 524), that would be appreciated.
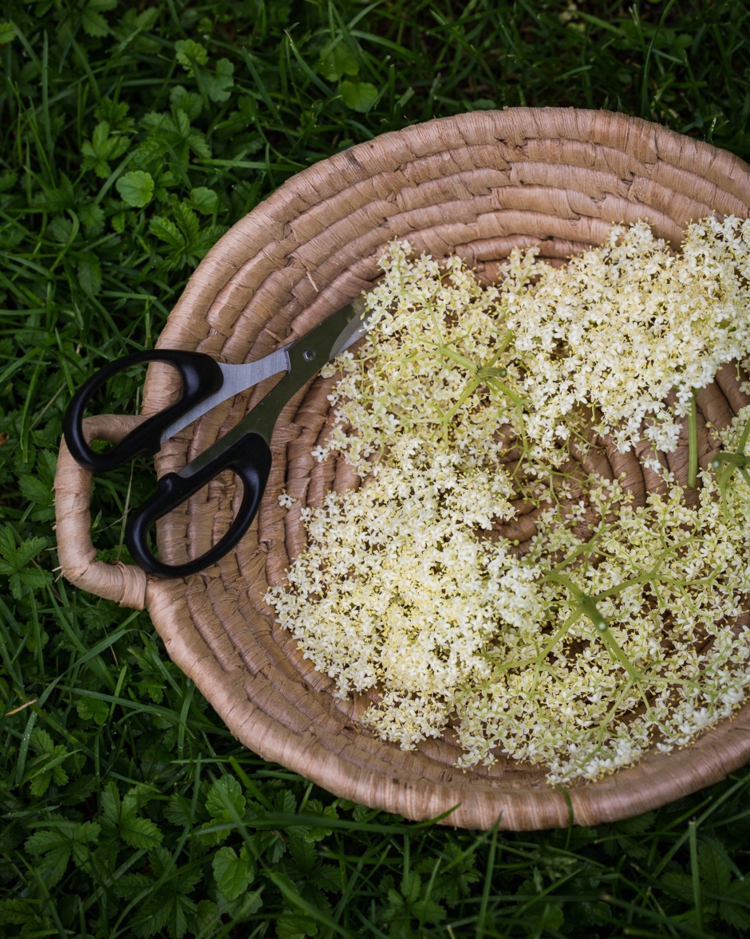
point(484, 902)
point(693, 441)
point(695, 872)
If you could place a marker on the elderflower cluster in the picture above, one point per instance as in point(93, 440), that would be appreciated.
point(622, 325)
point(619, 627)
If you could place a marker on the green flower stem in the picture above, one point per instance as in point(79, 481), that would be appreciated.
point(564, 582)
point(588, 608)
point(733, 459)
point(615, 650)
point(588, 548)
point(485, 374)
point(456, 357)
point(573, 618)
point(693, 442)
point(613, 711)
point(591, 611)
point(468, 391)
point(725, 464)
point(498, 385)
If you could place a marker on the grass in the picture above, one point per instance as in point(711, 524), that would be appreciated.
point(133, 136)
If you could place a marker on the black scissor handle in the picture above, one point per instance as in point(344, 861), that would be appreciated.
point(249, 458)
point(201, 377)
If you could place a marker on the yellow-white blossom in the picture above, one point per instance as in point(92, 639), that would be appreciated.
point(463, 403)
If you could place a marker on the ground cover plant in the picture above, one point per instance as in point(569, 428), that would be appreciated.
point(133, 136)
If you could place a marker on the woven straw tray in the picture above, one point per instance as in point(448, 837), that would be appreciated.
point(478, 185)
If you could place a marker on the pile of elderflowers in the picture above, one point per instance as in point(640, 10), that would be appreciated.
point(467, 413)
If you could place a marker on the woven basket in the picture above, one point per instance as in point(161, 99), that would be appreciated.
point(478, 185)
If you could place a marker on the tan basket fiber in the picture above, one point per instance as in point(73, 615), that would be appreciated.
point(477, 185)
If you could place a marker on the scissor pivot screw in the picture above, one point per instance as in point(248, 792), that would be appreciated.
point(308, 355)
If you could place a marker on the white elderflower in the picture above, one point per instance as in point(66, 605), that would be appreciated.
point(615, 628)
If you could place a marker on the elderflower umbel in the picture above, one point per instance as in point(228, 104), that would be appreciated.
point(618, 628)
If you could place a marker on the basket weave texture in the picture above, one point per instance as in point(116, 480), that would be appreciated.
point(478, 185)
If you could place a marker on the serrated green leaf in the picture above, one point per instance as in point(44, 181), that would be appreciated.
point(110, 803)
point(102, 148)
point(40, 784)
point(46, 768)
point(56, 845)
point(318, 832)
point(139, 832)
point(638, 824)
point(220, 80)
point(8, 180)
point(714, 871)
point(115, 113)
point(35, 490)
point(360, 96)
point(92, 20)
point(121, 816)
point(178, 812)
point(204, 200)
point(136, 797)
point(188, 223)
point(16, 912)
point(178, 911)
point(93, 709)
point(328, 877)
point(206, 918)
point(340, 61)
point(18, 555)
point(27, 580)
point(152, 916)
point(59, 775)
point(430, 912)
point(8, 32)
point(14, 561)
point(186, 101)
point(224, 792)
point(90, 276)
point(198, 144)
point(129, 886)
point(233, 873)
point(92, 218)
point(167, 231)
point(136, 188)
point(160, 860)
point(285, 802)
point(295, 926)
point(190, 53)
point(44, 840)
point(168, 908)
point(180, 125)
point(79, 790)
point(41, 741)
point(737, 914)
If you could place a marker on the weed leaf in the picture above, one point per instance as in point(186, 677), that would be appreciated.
point(360, 96)
point(136, 188)
point(233, 872)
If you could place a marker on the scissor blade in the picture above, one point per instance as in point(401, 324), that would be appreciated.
point(237, 378)
point(307, 355)
point(352, 332)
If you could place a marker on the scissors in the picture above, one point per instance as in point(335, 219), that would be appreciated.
point(245, 449)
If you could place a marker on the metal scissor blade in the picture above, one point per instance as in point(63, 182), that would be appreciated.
point(237, 378)
point(307, 355)
point(352, 332)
